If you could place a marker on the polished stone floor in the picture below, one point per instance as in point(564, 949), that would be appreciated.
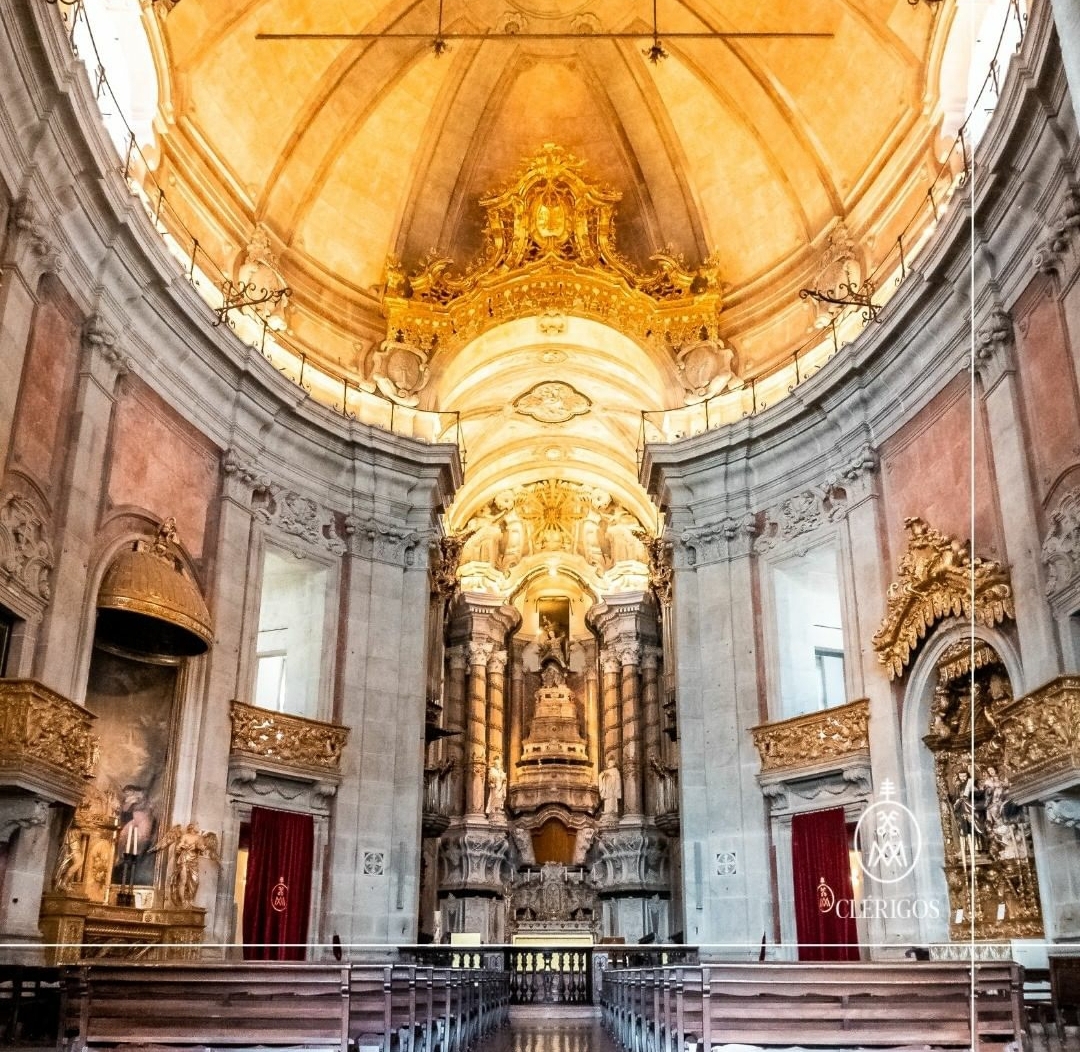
point(550, 1030)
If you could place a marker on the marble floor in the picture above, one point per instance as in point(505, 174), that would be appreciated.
point(552, 1028)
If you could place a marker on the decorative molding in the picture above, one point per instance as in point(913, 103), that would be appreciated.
point(369, 537)
point(807, 743)
point(46, 745)
point(107, 361)
point(298, 516)
point(293, 746)
point(935, 582)
point(1063, 811)
point(474, 860)
point(730, 538)
point(1061, 548)
point(26, 553)
point(1041, 740)
point(33, 240)
point(243, 478)
point(373, 863)
point(630, 860)
point(550, 247)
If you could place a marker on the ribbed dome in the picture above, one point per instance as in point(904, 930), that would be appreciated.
point(148, 605)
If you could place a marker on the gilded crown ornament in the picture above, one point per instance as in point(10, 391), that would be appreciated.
point(936, 581)
point(549, 247)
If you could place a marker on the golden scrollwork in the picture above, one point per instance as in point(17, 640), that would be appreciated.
point(46, 738)
point(935, 582)
point(549, 246)
point(286, 740)
point(1041, 733)
point(815, 738)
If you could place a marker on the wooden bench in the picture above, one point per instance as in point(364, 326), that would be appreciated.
point(1065, 991)
point(211, 1004)
point(821, 1004)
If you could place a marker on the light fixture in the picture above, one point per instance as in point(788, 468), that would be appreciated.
point(439, 46)
point(656, 52)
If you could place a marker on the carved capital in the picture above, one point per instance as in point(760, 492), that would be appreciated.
point(31, 247)
point(479, 652)
point(457, 659)
point(497, 662)
point(628, 652)
point(995, 341)
point(722, 541)
point(609, 662)
point(26, 554)
point(371, 538)
point(1049, 256)
point(242, 478)
point(105, 361)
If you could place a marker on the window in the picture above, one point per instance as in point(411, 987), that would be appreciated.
point(289, 648)
point(7, 627)
point(809, 633)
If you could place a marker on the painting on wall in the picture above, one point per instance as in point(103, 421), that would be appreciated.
point(134, 702)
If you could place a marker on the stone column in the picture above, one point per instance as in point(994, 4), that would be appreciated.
point(869, 580)
point(592, 717)
point(517, 714)
point(995, 363)
point(650, 704)
point(85, 482)
point(609, 662)
point(28, 255)
point(1067, 23)
point(630, 695)
point(202, 774)
point(478, 653)
point(496, 685)
point(455, 721)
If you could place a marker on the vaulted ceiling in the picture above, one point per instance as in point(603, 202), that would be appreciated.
point(347, 151)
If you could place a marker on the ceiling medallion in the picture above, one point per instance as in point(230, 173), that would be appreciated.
point(552, 402)
point(549, 249)
point(553, 357)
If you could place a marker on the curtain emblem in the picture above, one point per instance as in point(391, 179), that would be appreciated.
point(826, 897)
point(279, 896)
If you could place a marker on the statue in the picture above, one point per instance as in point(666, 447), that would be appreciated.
point(70, 861)
point(485, 536)
point(189, 844)
point(550, 643)
point(966, 819)
point(611, 788)
point(496, 801)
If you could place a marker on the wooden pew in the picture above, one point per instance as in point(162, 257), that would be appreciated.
point(822, 1004)
point(211, 1003)
point(1065, 991)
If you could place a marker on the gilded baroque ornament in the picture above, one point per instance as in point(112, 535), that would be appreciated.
point(26, 556)
point(549, 250)
point(553, 516)
point(935, 582)
point(986, 833)
point(814, 739)
point(286, 741)
point(1041, 735)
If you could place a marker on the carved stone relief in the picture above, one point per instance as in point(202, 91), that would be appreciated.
point(552, 402)
point(298, 516)
point(1061, 548)
point(26, 555)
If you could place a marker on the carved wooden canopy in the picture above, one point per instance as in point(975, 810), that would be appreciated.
point(938, 578)
point(549, 248)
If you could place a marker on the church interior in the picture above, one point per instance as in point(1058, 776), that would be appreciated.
point(540, 473)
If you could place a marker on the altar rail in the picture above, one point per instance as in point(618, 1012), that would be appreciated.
point(820, 1004)
point(369, 1008)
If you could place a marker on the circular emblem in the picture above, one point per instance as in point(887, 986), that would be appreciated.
point(888, 839)
point(826, 897)
point(279, 896)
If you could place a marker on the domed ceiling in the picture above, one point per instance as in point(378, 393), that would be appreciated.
point(743, 150)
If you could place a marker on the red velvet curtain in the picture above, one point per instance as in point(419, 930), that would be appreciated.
point(823, 895)
point(277, 899)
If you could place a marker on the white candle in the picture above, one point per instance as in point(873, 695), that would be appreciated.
point(134, 839)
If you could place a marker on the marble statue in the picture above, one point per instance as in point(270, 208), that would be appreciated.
point(496, 801)
point(611, 788)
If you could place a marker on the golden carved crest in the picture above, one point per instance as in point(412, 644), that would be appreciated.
point(549, 247)
point(287, 741)
point(935, 582)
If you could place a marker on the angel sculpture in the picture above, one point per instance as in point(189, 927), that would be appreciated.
point(188, 844)
point(70, 861)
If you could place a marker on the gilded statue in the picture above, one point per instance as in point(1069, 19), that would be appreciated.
point(69, 864)
point(189, 844)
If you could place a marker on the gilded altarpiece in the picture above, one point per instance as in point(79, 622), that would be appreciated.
point(989, 857)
